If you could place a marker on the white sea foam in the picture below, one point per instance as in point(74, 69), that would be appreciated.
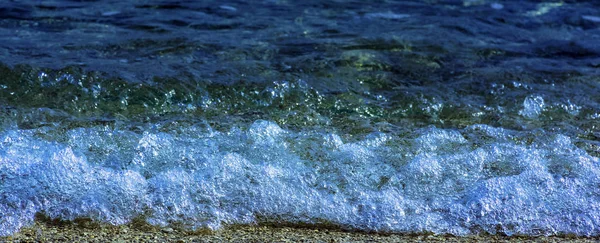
point(478, 179)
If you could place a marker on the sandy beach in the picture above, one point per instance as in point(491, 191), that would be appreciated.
point(86, 231)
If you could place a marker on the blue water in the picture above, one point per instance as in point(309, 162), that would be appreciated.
point(461, 117)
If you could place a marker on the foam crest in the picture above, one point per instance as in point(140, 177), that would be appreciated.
point(39, 176)
point(478, 179)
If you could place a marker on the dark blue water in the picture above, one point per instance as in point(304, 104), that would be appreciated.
point(458, 117)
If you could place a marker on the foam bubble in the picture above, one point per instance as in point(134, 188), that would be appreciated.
point(468, 181)
point(532, 106)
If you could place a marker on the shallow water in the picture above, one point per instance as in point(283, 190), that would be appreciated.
point(458, 117)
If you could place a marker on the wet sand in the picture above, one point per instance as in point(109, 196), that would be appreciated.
point(85, 231)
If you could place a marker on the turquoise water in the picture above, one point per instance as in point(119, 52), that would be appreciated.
point(453, 117)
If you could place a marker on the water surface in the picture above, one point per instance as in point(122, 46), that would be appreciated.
point(459, 117)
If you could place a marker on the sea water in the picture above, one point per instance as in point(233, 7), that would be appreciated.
point(463, 117)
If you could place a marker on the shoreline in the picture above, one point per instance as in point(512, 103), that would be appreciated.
point(88, 231)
